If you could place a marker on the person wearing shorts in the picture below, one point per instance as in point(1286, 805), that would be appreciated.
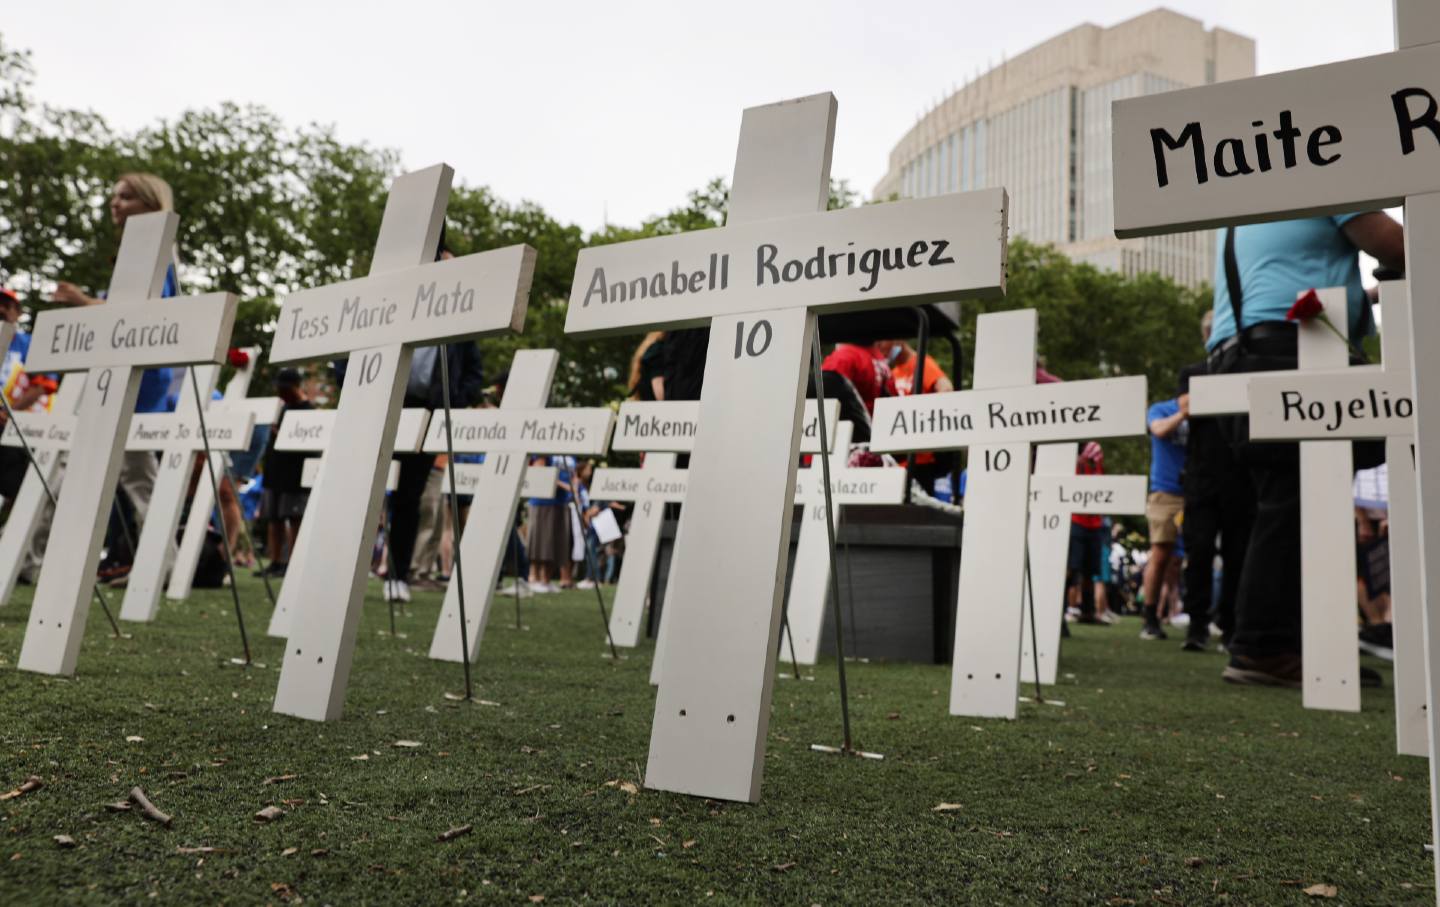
point(1166, 421)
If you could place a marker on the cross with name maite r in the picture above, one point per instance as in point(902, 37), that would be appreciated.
point(408, 299)
point(998, 420)
point(114, 342)
point(779, 260)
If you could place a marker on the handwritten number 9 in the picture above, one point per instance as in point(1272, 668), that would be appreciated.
point(102, 384)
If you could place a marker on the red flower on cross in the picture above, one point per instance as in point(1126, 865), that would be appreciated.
point(238, 357)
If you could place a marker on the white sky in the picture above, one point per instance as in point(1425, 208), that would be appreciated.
point(592, 107)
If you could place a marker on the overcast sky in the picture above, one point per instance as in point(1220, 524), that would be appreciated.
point(592, 108)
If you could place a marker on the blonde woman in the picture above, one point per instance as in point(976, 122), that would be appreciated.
point(133, 193)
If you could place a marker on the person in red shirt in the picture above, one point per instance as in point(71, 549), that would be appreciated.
point(1088, 541)
point(868, 373)
point(928, 466)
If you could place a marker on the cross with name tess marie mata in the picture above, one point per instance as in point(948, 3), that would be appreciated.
point(507, 435)
point(997, 420)
point(408, 299)
point(1351, 136)
point(659, 430)
point(113, 342)
point(791, 259)
point(311, 431)
point(1056, 494)
point(1327, 410)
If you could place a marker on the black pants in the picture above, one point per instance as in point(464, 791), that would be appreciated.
point(1267, 596)
point(1221, 503)
point(405, 511)
point(1087, 547)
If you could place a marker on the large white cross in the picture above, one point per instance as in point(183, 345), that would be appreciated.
point(810, 576)
point(408, 299)
point(507, 436)
point(759, 282)
point(1334, 408)
point(1057, 493)
point(660, 430)
point(1370, 140)
point(997, 421)
point(313, 431)
point(114, 342)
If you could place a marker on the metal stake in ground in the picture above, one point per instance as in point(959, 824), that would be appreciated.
point(40, 473)
point(220, 514)
point(455, 514)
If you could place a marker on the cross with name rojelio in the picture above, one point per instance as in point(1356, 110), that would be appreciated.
point(177, 437)
point(1056, 494)
point(759, 282)
point(113, 342)
point(508, 436)
point(997, 421)
point(310, 431)
point(810, 590)
point(264, 411)
point(1351, 136)
point(408, 299)
point(660, 430)
point(1328, 409)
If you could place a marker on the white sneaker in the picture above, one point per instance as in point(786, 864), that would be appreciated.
point(543, 588)
point(520, 588)
point(585, 584)
point(1180, 620)
point(396, 590)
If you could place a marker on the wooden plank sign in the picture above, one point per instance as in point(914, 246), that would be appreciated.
point(112, 340)
point(712, 713)
point(998, 420)
point(408, 298)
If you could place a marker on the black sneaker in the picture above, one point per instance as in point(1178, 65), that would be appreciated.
point(1370, 678)
point(1378, 640)
point(1153, 631)
point(1282, 670)
point(1195, 644)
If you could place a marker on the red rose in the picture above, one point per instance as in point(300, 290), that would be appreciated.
point(1306, 307)
point(238, 357)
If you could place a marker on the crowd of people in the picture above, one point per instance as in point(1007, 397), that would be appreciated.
point(1222, 555)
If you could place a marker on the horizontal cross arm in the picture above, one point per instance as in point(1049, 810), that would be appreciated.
point(581, 431)
point(185, 331)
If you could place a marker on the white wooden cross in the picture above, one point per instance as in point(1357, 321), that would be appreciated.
point(264, 411)
point(408, 299)
point(759, 282)
point(114, 342)
point(1057, 493)
point(810, 576)
point(1331, 409)
point(997, 421)
point(660, 430)
point(508, 436)
point(312, 431)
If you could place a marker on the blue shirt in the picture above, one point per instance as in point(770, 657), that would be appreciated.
point(562, 496)
point(1167, 455)
point(1278, 262)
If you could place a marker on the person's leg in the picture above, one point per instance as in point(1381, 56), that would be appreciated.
point(230, 511)
point(1267, 603)
point(138, 470)
point(1202, 524)
point(434, 521)
point(1155, 569)
point(405, 511)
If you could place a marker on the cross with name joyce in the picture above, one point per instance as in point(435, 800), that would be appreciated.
point(759, 283)
point(997, 421)
point(1333, 408)
point(408, 299)
point(114, 342)
point(1350, 136)
point(1056, 494)
point(508, 436)
point(311, 431)
point(810, 576)
point(660, 430)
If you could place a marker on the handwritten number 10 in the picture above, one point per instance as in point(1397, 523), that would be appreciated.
point(755, 344)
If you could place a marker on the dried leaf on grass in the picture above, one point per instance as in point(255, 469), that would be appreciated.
point(31, 783)
point(946, 807)
point(783, 867)
point(191, 850)
point(1321, 890)
point(407, 744)
point(453, 833)
point(278, 778)
point(137, 796)
point(269, 814)
point(289, 851)
point(63, 841)
point(628, 787)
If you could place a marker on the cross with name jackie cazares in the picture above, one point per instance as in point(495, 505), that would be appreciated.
point(114, 342)
point(998, 420)
point(408, 299)
point(507, 436)
point(759, 283)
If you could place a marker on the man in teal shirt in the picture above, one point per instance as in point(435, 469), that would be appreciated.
point(1260, 270)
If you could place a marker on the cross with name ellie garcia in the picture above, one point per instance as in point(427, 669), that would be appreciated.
point(759, 283)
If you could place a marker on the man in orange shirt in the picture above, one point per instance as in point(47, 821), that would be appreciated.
point(928, 466)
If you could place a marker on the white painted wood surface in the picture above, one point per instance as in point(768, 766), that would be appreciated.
point(31, 501)
point(671, 425)
point(96, 337)
point(345, 508)
point(647, 489)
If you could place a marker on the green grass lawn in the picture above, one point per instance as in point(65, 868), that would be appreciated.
point(1154, 783)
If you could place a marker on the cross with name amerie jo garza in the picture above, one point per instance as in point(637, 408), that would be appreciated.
point(1350, 136)
point(759, 282)
point(114, 342)
point(408, 299)
point(997, 421)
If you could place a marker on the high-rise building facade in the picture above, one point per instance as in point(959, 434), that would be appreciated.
point(1039, 125)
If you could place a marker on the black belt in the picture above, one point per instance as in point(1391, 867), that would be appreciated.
point(1265, 330)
